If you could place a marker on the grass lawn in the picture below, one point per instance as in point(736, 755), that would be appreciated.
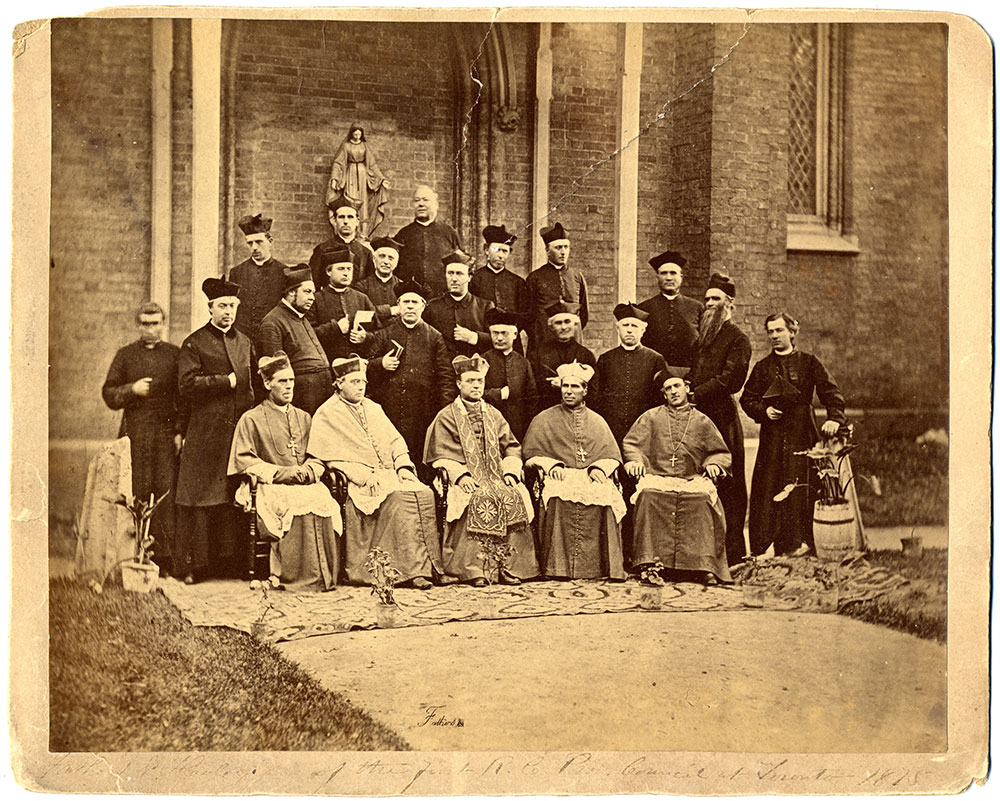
point(914, 481)
point(127, 673)
point(919, 607)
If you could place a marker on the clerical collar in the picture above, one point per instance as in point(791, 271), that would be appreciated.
point(150, 345)
point(382, 280)
point(347, 241)
point(556, 266)
point(788, 352)
point(352, 404)
point(292, 309)
point(421, 222)
point(280, 408)
point(493, 269)
point(409, 325)
point(260, 263)
point(629, 348)
point(686, 406)
point(223, 331)
point(671, 297)
point(340, 290)
point(504, 353)
point(458, 300)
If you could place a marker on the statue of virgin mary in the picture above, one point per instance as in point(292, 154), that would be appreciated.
point(356, 178)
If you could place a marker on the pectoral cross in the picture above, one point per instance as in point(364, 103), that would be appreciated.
point(293, 446)
point(581, 454)
point(673, 460)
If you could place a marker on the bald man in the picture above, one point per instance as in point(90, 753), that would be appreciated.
point(425, 242)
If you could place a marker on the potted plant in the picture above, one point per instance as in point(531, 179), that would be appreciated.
point(257, 628)
point(834, 525)
point(139, 574)
point(651, 584)
point(384, 577)
point(495, 553)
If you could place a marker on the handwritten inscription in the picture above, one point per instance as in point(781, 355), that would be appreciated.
point(434, 716)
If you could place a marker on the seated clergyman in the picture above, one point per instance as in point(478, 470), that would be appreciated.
point(387, 506)
point(582, 509)
point(292, 506)
point(677, 453)
point(471, 440)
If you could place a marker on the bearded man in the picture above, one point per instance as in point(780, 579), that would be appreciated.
point(286, 328)
point(582, 510)
point(721, 362)
point(675, 452)
point(471, 440)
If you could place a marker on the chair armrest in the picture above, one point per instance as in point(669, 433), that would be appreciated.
point(336, 481)
point(534, 480)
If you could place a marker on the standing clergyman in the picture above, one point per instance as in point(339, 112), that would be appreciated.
point(673, 318)
point(142, 380)
point(581, 508)
point(555, 282)
point(261, 278)
point(721, 362)
point(778, 395)
point(213, 376)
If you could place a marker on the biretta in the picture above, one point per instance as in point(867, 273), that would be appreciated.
point(386, 242)
point(562, 307)
point(410, 287)
point(352, 364)
point(219, 288)
point(668, 257)
point(551, 233)
point(340, 202)
point(340, 255)
point(495, 316)
point(456, 257)
point(470, 364)
point(723, 282)
point(575, 369)
point(625, 311)
point(269, 366)
point(498, 234)
point(670, 372)
point(254, 224)
point(296, 276)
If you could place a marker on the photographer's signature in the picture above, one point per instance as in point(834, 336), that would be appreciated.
point(434, 716)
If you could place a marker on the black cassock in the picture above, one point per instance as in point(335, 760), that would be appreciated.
point(719, 371)
point(672, 328)
point(325, 314)
point(512, 371)
point(150, 424)
point(548, 357)
point(415, 391)
point(444, 313)
point(789, 523)
point(627, 388)
point(383, 295)
point(505, 290)
point(261, 289)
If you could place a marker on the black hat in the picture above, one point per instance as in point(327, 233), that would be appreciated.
point(626, 310)
point(296, 276)
point(498, 233)
point(668, 257)
point(255, 224)
point(561, 307)
point(495, 316)
point(553, 232)
point(409, 286)
point(336, 256)
point(386, 242)
point(670, 372)
point(342, 200)
point(723, 282)
point(219, 288)
point(268, 366)
point(457, 256)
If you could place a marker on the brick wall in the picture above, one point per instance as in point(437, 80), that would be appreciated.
point(879, 318)
point(581, 186)
point(101, 195)
point(300, 86)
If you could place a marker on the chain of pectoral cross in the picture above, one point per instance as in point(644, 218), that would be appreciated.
point(670, 433)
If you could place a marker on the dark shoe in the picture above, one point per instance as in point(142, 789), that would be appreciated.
point(443, 581)
point(420, 583)
point(508, 579)
point(478, 582)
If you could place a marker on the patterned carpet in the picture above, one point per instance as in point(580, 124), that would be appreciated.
point(297, 615)
point(803, 584)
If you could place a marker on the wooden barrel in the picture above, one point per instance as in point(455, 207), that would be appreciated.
point(833, 531)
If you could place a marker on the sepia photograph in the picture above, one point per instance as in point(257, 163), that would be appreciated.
point(538, 401)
